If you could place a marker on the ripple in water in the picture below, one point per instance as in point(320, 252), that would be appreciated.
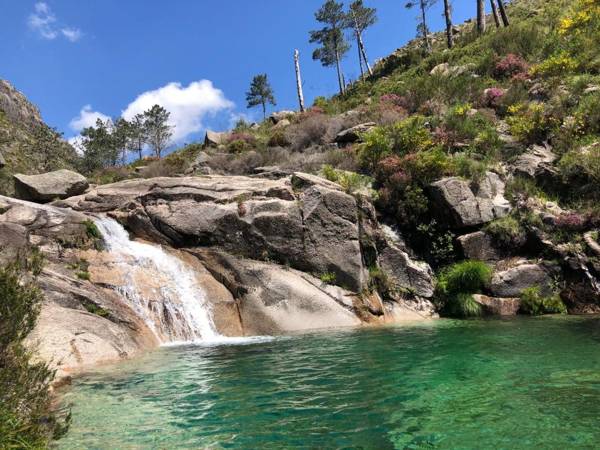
point(524, 383)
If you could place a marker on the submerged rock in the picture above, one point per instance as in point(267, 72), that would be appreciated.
point(50, 186)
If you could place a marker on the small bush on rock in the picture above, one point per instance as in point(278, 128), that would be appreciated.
point(534, 303)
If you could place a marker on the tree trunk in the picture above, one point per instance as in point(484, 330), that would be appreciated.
point(264, 107)
point(480, 16)
point(425, 31)
point(299, 80)
point(338, 68)
point(360, 60)
point(140, 152)
point(361, 46)
point(503, 13)
point(448, 15)
point(495, 13)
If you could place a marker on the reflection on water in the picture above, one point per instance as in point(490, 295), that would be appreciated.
point(520, 383)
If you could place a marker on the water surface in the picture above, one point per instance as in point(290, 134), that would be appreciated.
point(502, 384)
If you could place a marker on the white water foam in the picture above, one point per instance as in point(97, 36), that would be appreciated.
point(179, 312)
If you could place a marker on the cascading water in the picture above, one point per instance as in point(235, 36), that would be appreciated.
point(173, 304)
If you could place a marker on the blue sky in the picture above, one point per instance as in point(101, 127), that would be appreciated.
point(78, 59)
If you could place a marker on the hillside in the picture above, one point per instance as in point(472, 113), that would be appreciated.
point(511, 117)
point(27, 144)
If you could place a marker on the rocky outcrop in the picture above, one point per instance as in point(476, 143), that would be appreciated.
point(461, 204)
point(312, 226)
point(494, 306)
point(352, 135)
point(479, 246)
point(278, 116)
point(16, 106)
point(81, 324)
point(214, 139)
point(405, 273)
point(2, 161)
point(50, 186)
point(512, 281)
point(535, 163)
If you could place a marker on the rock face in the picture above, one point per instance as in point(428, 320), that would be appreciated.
point(498, 306)
point(512, 282)
point(2, 161)
point(50, 186)
point(314, 228)
point(479, 246)
point(537, 160)
point(462, 205)
point(16, 106)
point(353, 134)
point(274, 300)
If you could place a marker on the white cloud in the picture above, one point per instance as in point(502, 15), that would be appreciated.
point(188, 105)
point(72, 34)
point(87, 118)
point(44, 22)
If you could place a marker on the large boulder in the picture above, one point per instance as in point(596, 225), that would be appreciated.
point(536, 162)
point(214, 139)
point(353, 134)
point(278, 116)
point(461, 204)
point(50, 186)
point(494, 306)
point(406, 273)
point(479, 246)
point(512, 281)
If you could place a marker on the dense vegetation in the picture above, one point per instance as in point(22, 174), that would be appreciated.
point(26, 418)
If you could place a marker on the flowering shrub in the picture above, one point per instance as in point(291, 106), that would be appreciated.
point(529, 122)
point(492, 96)
point(510, 66)
point(571, 221)
point(580, 18)
point(396, 100)
point(558, 64)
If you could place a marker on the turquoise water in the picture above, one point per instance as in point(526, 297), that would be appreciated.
point(502, 384)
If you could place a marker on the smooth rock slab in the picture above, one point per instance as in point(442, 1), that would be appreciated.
point(50, 186)
point(512, 282)
point(498, 306)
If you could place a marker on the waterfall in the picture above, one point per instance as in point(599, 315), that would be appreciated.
point(161, 288)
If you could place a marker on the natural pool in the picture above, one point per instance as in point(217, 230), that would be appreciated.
point(502, 384)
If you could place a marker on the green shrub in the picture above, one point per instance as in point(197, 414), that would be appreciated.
point(466, 277)
point(469, 168)
point(410, 136)
point(376, 146)
point(26, 419)
point(92, 230)
point(530, 122)
point(507, 232)
point(328, 277)
point(534, 303)
point(463, 305)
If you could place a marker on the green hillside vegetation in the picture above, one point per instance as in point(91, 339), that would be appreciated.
point(31, 149)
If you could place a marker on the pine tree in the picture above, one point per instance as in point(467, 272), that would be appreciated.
point(331, 38)
point(138, 134)
point(422, 28)
point(360, 18)
point(260, 93)
point(495, 13)
point(158, 129)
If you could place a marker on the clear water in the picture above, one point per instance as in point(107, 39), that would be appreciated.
point(513, 384)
